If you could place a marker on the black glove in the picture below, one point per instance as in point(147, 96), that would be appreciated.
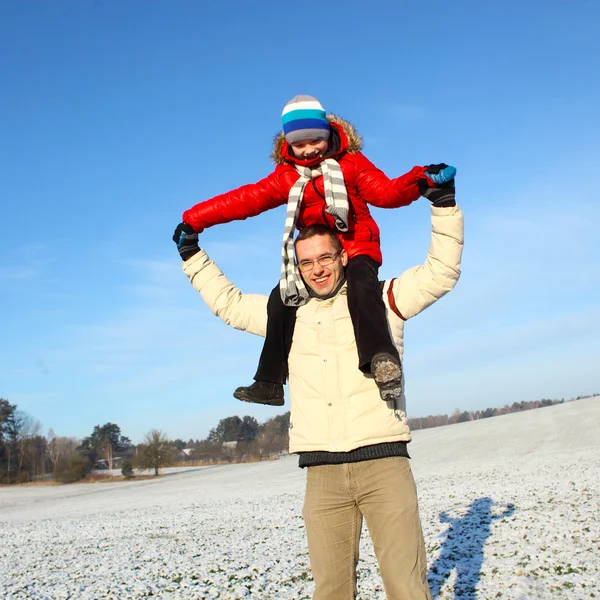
point(442, 195)
point(187, 241)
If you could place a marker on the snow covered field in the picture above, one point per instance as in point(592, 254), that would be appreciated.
point(510, 509)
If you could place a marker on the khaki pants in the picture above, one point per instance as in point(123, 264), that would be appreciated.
point(384, 492)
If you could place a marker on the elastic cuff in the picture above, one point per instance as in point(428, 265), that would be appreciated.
point(187, 254)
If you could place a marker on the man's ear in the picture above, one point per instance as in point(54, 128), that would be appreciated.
point(344, 257)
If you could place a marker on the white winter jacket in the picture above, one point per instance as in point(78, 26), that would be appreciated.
point(334, 406)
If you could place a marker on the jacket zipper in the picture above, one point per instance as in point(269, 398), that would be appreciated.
point(324, 205)
point(352, 211)
point(314, 184)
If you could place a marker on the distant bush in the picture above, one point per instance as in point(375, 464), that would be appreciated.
point(22, 477)
point(72, 469)
point(127, 470)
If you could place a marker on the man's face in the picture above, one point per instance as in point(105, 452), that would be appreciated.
point(307, 149)
point(322, 280)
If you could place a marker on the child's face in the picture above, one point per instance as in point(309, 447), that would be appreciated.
point(307, 149)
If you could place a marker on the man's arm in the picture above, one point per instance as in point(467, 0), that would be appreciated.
point(247, 312)
point(421, 286)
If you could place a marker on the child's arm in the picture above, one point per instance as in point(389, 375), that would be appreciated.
point(376, 188)
point(246, 201)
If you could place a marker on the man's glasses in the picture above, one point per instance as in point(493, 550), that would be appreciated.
point(327, 259)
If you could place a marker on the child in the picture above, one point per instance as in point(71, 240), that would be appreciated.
point(324, 178)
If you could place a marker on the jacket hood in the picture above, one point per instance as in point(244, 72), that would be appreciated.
point(354, 140)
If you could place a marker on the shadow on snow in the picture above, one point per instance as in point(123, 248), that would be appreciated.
point(462, 547)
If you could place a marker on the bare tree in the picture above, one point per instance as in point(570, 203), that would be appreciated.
point(156, 451)
point(273, 437)
point(53, 451)
point(60, 448)
point(32, 449)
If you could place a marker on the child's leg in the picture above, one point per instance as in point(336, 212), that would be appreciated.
point(367, 311)
point(272, 365)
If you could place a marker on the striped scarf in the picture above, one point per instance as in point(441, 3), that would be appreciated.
point(292, 288)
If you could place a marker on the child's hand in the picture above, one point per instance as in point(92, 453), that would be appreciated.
point(441, 173)
point(441, 193)
point(187, 240)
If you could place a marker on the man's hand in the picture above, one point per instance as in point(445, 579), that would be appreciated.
point(187, 241)
point(443, 194)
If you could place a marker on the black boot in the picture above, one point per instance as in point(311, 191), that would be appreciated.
point(387, 373)
point(261, 392)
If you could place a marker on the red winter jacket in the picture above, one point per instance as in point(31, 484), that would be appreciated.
point(365, 184)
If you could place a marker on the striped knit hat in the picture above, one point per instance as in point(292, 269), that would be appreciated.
point(304, 118)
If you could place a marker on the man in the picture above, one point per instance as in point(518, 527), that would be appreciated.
point(353, 444)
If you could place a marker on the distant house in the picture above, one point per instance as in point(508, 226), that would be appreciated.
point(102, 464)
point(184, 454)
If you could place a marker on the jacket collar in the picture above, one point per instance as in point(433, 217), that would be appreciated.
point(341, 289)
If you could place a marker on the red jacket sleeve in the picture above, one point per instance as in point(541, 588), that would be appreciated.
point(246, 201)
point(376, 188)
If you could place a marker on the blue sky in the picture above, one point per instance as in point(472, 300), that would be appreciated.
point(117, 116)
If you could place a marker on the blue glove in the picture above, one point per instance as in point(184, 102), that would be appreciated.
point(441, 173)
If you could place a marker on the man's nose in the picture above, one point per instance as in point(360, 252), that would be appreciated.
point(317, 268)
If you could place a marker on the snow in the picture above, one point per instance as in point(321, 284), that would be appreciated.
point(509, 507)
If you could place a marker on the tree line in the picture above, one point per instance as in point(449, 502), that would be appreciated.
point(237, 439)
point(461, 416)
point(27, 455)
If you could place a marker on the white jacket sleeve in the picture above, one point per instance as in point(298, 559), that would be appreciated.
point(247, 312)
point(421, 286)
